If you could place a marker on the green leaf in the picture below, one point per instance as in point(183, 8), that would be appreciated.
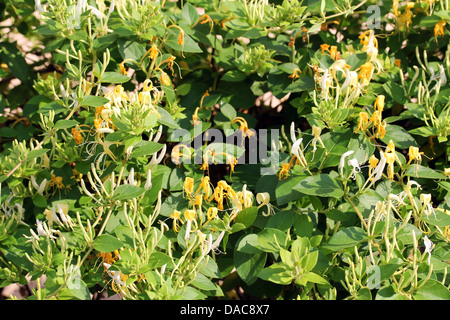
point(321, 185)
point(93, 101)
point(419, 171)
point(36, 153)
point(114, 77)
point(39, 201)
point(234, 76)
point(157, 259)
point(432, 290)
point(247, 216)
point(311, 277)
point(401, 138)
point(15, 61)
point(65, 124)
point(189, 13)
point(228, 111)
point(203, 283)
point(101, 43)
point(127, 191)
point(167, 119)
point(395, 91)
point(189, 45)
point(107, 243)
point(364, 294)
point(248, 265)
point(271, 240)
point(356, 60)
point(131, 50)
point(388, 293)
point(301, 84)
point(190, 293)
point(79, 290)
point(284, 191)
point(308, 261)
point(439, 218)
point(346, 238)
point(277, 273)
point(303, 225)
point(146, 148)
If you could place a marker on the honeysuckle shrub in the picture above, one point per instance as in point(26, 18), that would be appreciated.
point(225, 149)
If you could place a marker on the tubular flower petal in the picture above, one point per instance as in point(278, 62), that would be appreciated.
point(284, 172)
point(243, 126)
point(342, 161)
point(188, 186)
point(373, 162)
point(176, 219)
point(363, 122)
point(379, 103)
point(428, 247)
point(316, 134)
point(414, 154)
point(439, 29)
point(296, 151)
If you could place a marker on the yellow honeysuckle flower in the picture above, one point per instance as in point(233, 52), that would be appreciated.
point(181, 38)
point(390, 147)
point(177, 153)
point(395, 8)
point(368, 39)
point(188, 186)
point(232, 161)
point(201, 236)
point(147, 85)
point(284, 172)
point(379, 103)
point(117, 95)
point(316, 131)
point(205, 187)
point(165, 79)
point(366, 72)
point(153, 52)
point(190, 217)
point(439, 29)
point(170, 61)
point(77, 136)
point(189, 214)
point(334, 54)
point(447, 172)
point(295, 74)
point(220, 192)
point(176, 215)
point(205, 19)
point(373, 162)
point(197, 201)
point(298, 152)
point(245, 197)
point(390, 160)
point(195, 117)
point(381, 130)
point(363, 122)
point(123, 70)
point(324, 47)
point(211, 213)
point(414, 154)
point(243, 126)
point(405, 19)
point(263, 199)
point(56, 182)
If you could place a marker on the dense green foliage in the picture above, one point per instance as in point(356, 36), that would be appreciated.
point(225, 149)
